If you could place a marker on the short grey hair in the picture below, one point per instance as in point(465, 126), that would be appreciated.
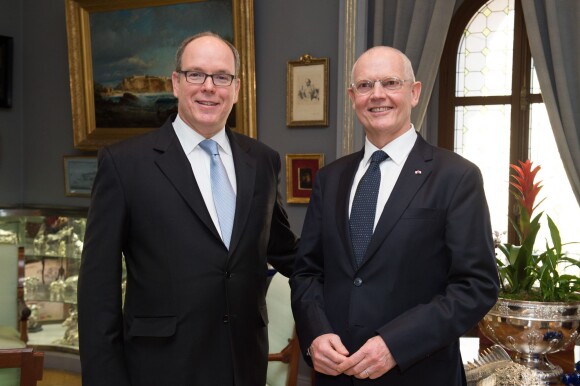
point(186, 41)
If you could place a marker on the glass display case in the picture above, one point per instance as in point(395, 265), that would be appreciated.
point(52, 239)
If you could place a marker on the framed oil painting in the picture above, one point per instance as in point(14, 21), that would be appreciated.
point(301, 170)
point(6, 47)
point(122, 53)
point(307, 92)
point(79, 174)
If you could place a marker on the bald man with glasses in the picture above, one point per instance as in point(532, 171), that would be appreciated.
point(396, 260)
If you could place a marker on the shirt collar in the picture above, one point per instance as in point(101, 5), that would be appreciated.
point(398, 149)
point(190, 138)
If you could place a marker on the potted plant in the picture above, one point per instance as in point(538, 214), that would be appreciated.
point(538, 310)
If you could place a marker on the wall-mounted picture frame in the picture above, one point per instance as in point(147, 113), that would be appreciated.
point(301, 170)
point(6, 63)
point(121, 55)
point(307, 92)
point(79, 175)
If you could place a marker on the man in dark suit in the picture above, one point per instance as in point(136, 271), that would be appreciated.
point(382, 296)
point(194, 310)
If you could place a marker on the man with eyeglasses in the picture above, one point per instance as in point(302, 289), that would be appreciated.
point(396, 260)
point(196, 211)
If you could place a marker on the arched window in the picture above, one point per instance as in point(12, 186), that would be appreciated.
point(491, 112)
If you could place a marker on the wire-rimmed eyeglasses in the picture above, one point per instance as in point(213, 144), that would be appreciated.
point(197, 77)
point(391, 83)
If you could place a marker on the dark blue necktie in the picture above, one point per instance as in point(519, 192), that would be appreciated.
point(364, 206)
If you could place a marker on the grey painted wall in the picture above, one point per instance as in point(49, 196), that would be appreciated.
point(286, 30)
point(37, 131)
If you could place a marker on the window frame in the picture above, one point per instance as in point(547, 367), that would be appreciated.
point(520, 100)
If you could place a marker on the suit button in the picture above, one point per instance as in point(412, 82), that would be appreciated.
point(228, 274)
point(357, 282)
point(226, 319)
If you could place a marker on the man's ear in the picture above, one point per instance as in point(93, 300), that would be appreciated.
point(415, 93)
point(175, 83)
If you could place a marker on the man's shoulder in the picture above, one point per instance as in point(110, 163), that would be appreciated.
point(252, 145)
point(452, 158)
point(165, 133)
point(440, 155)
point(344, 161)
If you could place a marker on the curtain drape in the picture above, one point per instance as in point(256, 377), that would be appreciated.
point(554, 32)
point(419, 29)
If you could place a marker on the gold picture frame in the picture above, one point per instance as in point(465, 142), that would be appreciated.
point(301, 170)
point(87, 134)
point(307, 92)
point(79, 175)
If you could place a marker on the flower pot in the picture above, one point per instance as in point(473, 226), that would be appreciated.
point(533, 329)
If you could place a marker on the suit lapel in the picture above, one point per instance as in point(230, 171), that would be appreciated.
point(245, 179)
point(414, 173)
point(342, 202)
point(176, 167)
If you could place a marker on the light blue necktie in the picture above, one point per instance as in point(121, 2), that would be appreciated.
point(364, 206)
point(224, 198)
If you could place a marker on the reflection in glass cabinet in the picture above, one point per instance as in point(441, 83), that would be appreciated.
point(52, 240)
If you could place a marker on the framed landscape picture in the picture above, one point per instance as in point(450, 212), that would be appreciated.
point(79, 174)
point(122, 54)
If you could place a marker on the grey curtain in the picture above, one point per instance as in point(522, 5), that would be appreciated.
point(554, 34)
point(419, 29)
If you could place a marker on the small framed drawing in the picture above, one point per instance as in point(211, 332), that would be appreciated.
point(301, 170)
point(79, 174)
point(6, 47)
point(307, 92)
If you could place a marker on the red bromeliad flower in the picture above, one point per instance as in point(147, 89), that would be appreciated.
point(526, 272)
point(525, 193)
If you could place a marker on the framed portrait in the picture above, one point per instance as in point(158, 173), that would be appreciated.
point(79, 174)
point(122, 54)
point(307, 92)
point(6, 51)
point(301, 170)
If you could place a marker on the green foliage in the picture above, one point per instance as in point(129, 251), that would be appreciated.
point(531, 276)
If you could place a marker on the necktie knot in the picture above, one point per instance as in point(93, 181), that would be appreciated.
point(378, 156)
point(209, 146)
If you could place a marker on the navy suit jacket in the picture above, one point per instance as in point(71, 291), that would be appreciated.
point(194, 312)
point(429, 273)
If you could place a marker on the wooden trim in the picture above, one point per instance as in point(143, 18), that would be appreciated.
point(290, 355)
point(30, 363)
point(23, 310)
point(447, 71)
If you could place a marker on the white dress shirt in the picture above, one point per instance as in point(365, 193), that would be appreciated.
point(200, 161)
point(398, 151)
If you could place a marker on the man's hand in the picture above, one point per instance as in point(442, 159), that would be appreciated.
point(327, 353)
point(372, 360)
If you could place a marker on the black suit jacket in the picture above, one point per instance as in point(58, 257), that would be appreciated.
point(428, 276)
point(194, 312)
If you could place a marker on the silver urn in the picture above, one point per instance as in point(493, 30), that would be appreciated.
point(533, 329)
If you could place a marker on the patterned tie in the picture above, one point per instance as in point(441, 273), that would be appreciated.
point(364, 206)
point(224, 198)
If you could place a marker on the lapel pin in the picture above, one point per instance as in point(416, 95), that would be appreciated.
point(418, 171)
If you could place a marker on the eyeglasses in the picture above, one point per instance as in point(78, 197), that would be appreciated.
point(364, 87)
point(219, 80)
